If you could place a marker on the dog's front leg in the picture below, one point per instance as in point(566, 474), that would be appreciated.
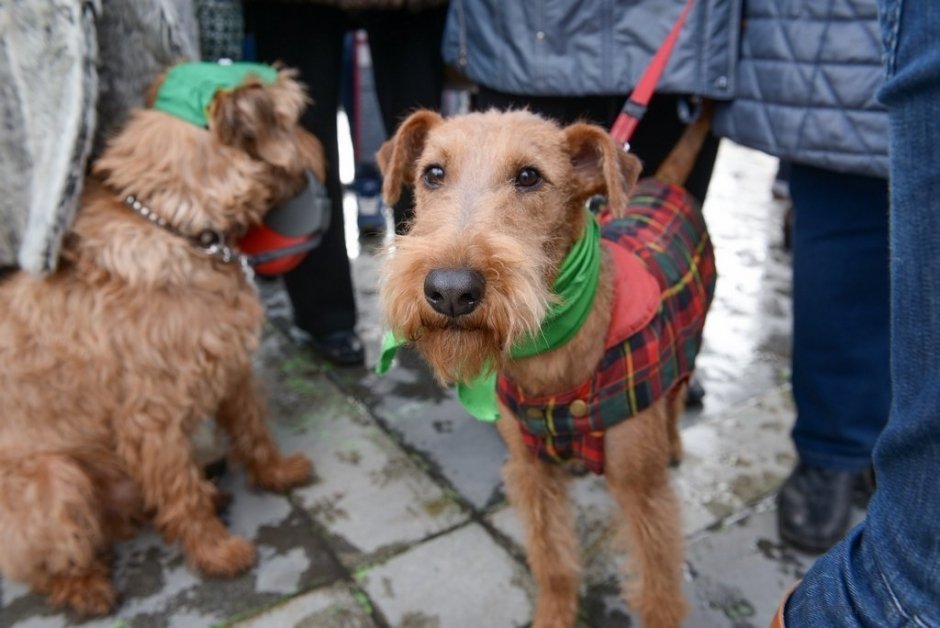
point(637, 452)
point(158, 454)
point(539, 491)
point(242, 415)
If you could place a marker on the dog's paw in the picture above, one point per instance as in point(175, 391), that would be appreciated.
point(88, 595)
point(285, 474)
point(223, 557)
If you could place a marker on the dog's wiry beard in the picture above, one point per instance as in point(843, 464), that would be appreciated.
point(460, 355)
point(515, 301)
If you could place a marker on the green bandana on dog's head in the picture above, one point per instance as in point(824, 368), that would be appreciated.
point(188, 88)
point(576, 285)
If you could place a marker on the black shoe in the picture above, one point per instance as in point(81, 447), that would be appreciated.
point(342, 348)
point(814, 506)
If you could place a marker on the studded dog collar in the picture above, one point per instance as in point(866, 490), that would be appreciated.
point(210, 242)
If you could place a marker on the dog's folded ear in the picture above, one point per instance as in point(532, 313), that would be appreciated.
point(600, 165)
point(259, 117)
point(397, 156)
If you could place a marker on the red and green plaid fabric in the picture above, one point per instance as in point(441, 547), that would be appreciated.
point(665, 229)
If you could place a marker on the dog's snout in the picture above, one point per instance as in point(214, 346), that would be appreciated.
point(454, 292)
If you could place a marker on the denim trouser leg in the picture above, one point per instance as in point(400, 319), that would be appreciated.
point(886, 572)
point(841, 378)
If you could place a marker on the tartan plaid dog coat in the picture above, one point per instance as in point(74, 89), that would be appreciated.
point(665, 280)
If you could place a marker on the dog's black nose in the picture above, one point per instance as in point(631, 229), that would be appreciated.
point(454, 291)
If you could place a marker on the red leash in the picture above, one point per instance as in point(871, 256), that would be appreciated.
point(635, 107)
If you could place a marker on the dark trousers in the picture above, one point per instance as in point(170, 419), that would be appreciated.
point(655, 136)
point(841, 369)
point(408, 70)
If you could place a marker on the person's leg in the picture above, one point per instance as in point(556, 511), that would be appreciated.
point(408, 70)
point(309, 37)
point(406, 59)
point(886, 572)
point(841, 381)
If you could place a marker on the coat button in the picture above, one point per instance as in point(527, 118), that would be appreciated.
point(534, 413)
point(578, 408)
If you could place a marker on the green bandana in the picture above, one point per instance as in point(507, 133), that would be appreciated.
point(189, 88)
point(576, 285)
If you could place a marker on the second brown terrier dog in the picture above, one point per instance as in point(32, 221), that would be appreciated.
point(500, 214)
point(142, 333)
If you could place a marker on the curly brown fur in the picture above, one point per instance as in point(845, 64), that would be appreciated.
point(111, 362)
point(477, 216)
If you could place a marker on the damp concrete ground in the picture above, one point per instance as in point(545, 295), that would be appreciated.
point(408, 524)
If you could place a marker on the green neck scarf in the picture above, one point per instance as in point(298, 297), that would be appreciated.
point(189, 88)
point(575, 285)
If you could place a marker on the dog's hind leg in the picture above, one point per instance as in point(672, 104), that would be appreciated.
point(157, 453)
point(539, 491)
point(242, 415)
point(637, 452)
point(51, 533)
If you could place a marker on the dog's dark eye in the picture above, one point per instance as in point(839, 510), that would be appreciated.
point(527, 179)
point(433, 176)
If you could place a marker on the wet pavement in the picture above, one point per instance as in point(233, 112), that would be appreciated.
point(408, 525)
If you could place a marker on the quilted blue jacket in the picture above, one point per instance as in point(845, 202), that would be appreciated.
point(807, 76)
point(799, 77)
point(581, 47)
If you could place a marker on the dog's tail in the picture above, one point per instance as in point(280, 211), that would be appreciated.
point(680, 161)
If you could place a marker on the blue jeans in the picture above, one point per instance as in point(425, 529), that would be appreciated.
point(886, 572)
point(841, 379)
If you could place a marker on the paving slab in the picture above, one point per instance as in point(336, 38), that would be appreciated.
point(336, 606)
point(460, 579)
point(428, 419)
point(748, 568)
point(742, 568)
point(372, 498)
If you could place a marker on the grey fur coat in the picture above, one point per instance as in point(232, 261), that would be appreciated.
point(70, 71)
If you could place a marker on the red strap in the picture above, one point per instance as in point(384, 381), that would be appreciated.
point(635, 107)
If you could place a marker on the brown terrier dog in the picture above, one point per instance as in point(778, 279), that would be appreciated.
point(500, 203)
point(146, 329)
